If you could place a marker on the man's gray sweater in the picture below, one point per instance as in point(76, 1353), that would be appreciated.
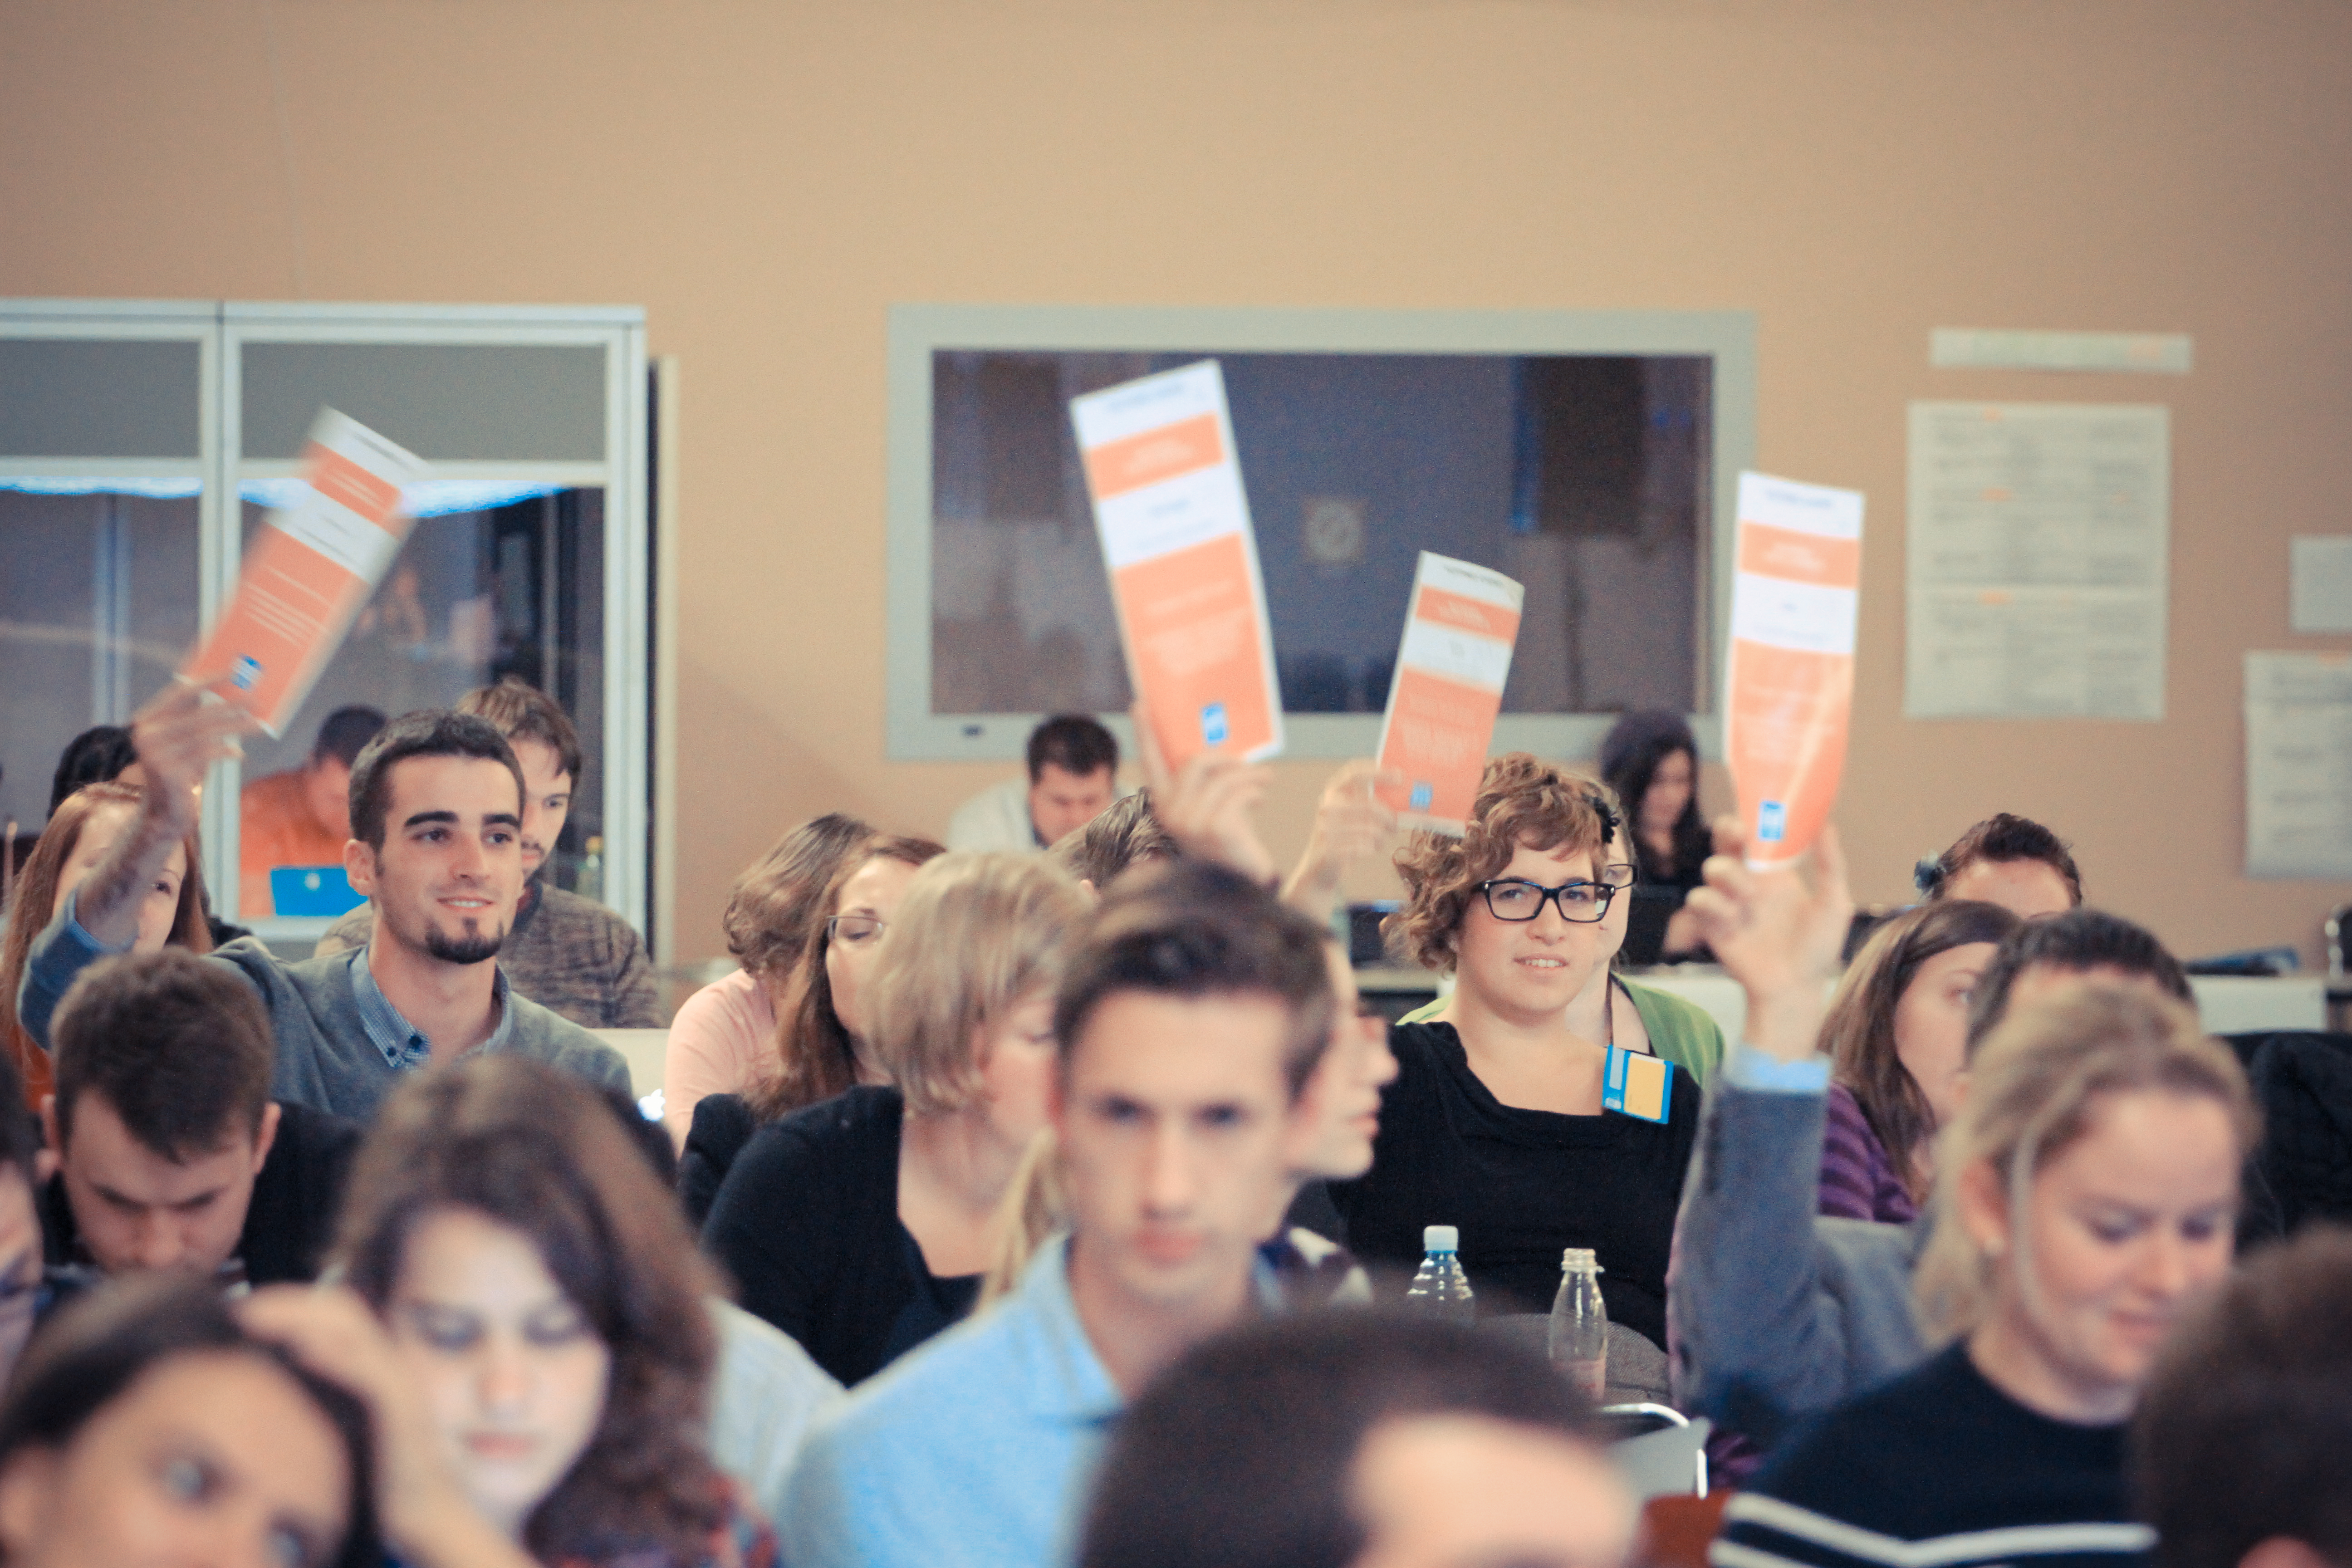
point(325, 1058)
point(1776, 1312)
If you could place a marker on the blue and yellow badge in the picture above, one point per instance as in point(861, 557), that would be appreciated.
point(1637, 1084)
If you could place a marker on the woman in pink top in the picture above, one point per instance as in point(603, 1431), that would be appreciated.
point(723, 1039)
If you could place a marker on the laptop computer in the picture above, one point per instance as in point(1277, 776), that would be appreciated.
point(312, 890)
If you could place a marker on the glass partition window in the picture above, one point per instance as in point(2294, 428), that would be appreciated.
point(1590, 456)
point(96, 604)
point(1583, 476)
point(493, 581)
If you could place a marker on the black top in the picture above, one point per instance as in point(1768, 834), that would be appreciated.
point(1520, 1186)
point(1933, 1456)
point(807, 1224)
point(723, 1123)
point(288, 1224)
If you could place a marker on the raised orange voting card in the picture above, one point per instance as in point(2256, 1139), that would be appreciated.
point(1176, 537)
point(1459, 632)
point(307, 573)
point(1789, 687)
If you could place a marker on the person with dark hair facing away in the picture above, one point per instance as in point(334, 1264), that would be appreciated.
point(1188, 1022)
point(1779, 1312)
point(1358, 1440)
point(1496, 1123)
point(569, 953)
point(100, 754)
point(437, 817)
point(1651, 759)
point(1897, 1040)
point(300, 816)
point(2086, 1197)
point(548, 1302)
point(720, 1040)
point(170, 1153)
point(1072, 776)
point(2242, 1442)
point(2046, 952)
point(80, 833)
point(2010, 860)
point(1125, 834)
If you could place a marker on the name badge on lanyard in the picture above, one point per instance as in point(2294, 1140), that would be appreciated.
point(1637, 1084)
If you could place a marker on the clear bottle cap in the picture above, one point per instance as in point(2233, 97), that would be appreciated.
point(1581, 1261)
point(1441, 1238)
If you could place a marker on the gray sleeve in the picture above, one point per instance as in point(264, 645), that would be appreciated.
point(1758, 1336)
point(59, 954)
point(633, 1001)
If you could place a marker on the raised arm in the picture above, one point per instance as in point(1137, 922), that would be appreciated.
point(1350, 823)
point(1760, 1333)
point(178, 735)
point(1210, 807)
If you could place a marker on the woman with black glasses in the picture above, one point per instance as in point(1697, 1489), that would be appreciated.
point(1494, 1124)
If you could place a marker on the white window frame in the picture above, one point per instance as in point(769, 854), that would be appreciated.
point(917, 331)
point(222, 328)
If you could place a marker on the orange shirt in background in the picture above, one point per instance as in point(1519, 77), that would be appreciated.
point(274, 828)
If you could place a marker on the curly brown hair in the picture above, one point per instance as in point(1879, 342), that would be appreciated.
point(533, 1149)
point(1522, 801)
point(776, 901)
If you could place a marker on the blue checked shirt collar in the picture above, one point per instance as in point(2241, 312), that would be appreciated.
point(403, 1046)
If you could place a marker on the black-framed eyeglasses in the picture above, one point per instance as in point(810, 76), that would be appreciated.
point(1517, 899)
point(854, 931)
point(1620, 874)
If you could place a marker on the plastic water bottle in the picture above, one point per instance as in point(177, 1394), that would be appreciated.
point(1579, 1323)
point(1440, 1287)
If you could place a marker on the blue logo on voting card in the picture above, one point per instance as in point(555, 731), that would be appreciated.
point(246, 673)
point(1212, 723)
point(1772, 821)
point(1422, 796)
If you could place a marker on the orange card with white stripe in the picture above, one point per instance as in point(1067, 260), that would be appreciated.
point(1174, 523)
point(307, 572)
point(1447, 691)
point(1788, 685)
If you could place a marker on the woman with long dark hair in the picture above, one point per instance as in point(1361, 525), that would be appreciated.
point(1896, 1037)
point(1651, 759)
point(550, 1306)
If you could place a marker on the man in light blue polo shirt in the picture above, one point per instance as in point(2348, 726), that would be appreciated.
point(1189, 1022)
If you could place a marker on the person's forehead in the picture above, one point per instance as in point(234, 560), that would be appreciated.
point(540, 763)
point(2036, 877)
point(1559, 857)
point(1175, 1051)
point(470, 786)
point(99, 1132)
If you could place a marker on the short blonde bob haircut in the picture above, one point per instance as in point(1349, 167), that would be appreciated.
point(974, 934)
point(2034, 1088)
point(1521, 800)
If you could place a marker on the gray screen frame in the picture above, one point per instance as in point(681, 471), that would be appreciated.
point(914, 733)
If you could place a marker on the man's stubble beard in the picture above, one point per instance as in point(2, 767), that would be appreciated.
point(473, 947)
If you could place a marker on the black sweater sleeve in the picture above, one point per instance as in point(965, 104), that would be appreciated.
point(806, 1224)
point(723, 1123)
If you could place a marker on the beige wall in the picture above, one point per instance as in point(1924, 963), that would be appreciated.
point(768, 178)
